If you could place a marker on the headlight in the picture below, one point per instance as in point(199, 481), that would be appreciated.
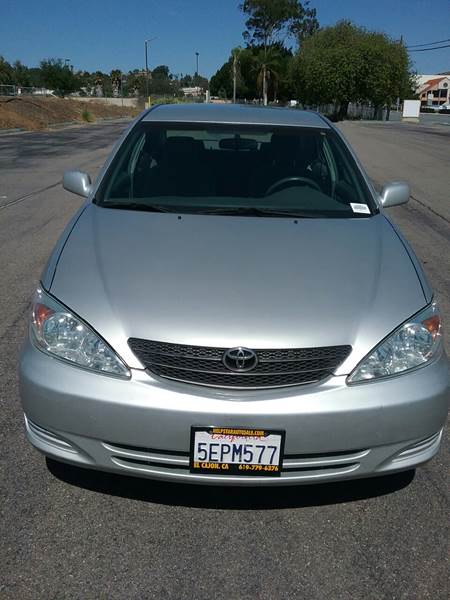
point(55, 330)
point(411, 345)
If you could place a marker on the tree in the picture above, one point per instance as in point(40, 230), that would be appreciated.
point(272, 21)
point(235, 53)
point(249, 70)
point(268, 66)
point(135, 83)
point(161, 72)
point(162, 81)
point(6, 72)
point(221, 83)
point(116, 81)
point(21, 74)
point(99, 80)
point(389, 74)
point(200, 81)
point(346, 63)
point(58, 77)
point(306, 23)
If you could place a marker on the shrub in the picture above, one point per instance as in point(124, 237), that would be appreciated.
point(87, 116)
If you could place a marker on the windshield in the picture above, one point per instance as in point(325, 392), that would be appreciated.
point(257, 171)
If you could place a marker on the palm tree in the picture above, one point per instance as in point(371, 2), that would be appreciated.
point(235, 53)
point(116, 78)
point(267, 63)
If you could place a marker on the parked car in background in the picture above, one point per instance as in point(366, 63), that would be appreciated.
point(233, 305)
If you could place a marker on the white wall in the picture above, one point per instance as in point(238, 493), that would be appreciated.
point(113, 101)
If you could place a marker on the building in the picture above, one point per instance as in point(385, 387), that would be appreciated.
point(434, 90)
point(194, 91)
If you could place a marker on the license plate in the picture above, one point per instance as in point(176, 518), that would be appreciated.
point(236, 451)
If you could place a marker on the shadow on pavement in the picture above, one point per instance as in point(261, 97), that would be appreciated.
point(228, 497)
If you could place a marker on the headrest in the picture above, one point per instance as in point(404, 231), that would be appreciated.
point(284, 145)
point(183, 145)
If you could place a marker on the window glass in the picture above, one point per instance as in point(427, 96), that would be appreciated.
point(235, 168)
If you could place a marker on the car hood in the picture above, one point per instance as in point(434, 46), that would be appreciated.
point(229, 281)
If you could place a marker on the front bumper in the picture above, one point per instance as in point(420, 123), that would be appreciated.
point(142, 426)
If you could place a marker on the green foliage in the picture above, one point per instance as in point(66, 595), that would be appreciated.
point(22, 74)
point(161, 81)
point(269, 24)
point(161, 72)
point(221, 83)
point(87, 116)
point(58, 77)
point(346, 63)
point(115, 78)
point(271, 21)
point(200, 81)
point(6, 72)
point(250, 73)
point(55, 75)
point(389, 75)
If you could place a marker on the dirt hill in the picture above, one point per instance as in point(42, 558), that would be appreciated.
point(38, 113)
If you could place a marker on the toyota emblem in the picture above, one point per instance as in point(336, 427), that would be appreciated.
point(240, 359)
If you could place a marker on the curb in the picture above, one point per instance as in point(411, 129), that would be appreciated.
point(12, 130)
point(85, 123)
point(64, 124)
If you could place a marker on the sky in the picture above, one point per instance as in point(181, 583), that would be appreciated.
point(103, 35)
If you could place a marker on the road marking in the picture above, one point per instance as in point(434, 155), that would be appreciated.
point(22, 198)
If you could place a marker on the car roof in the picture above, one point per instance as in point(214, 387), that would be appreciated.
point(234, 114)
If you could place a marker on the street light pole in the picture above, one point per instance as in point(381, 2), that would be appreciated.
point(197, 54)
point(146, 72)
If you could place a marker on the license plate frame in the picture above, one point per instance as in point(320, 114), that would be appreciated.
point(236, 436)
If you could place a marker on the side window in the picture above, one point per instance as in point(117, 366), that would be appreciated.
point(119, 185)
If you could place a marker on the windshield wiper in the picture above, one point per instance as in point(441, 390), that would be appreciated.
point(137, 206)
point(250, 211)
point(253, 211)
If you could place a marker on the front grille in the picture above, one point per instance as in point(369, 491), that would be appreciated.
point(203, 365)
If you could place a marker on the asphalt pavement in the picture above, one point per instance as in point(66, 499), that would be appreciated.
point(432, 118)
point(70, 533)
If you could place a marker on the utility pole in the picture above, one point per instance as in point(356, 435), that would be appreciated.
point(234, 78)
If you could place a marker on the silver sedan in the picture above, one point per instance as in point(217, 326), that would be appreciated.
point(232, 305)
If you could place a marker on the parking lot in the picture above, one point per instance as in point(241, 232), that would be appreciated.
point(69, 533)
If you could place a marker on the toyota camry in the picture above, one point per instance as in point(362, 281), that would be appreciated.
point(233, 305)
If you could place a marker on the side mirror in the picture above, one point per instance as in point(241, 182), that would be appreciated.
point(77, 183)
point(394, 194)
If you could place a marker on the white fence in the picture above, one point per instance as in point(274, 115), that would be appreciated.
point(20, 90)
point(355, 110)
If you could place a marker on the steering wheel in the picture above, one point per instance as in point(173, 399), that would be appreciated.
point(293, 179)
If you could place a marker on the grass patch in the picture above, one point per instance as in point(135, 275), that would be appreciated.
point(86, 116)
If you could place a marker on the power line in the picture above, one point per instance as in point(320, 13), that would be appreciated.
point(426, 49)
point(429, 44)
